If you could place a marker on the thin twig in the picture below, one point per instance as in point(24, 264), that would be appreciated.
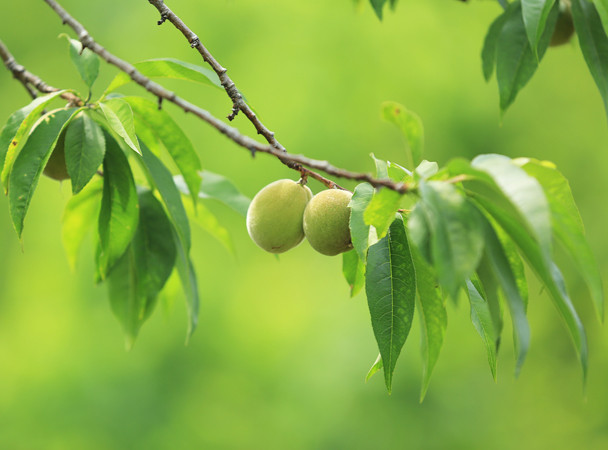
point(296, 162)
point(28, 79)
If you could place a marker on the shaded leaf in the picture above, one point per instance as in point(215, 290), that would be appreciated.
point(205, 219)
point(482, 321)
point(602, 10)
point(119, 115)
point(79, 216)
point(30, 162)
point(390, 285)
point(359, 230)
point(143, 269)
point(378, 5)
point(411, 127)
point(594, 43)
point(119, 214)
point(353, 270)
point(84, 148)
point(535, 14)
point(433, 318)
point(160, 123)
point(488, 53)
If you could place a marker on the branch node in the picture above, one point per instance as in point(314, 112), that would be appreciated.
point(233, 114)
point(195, 42)
point(160, 103)
point(163, 18)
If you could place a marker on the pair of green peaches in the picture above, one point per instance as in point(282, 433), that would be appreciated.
point(285, 212)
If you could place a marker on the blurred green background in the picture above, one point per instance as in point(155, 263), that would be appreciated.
point(281, 352)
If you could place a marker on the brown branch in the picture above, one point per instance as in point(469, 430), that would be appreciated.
point(28, 79)
point(296, 162)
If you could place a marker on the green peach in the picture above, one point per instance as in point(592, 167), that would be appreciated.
point(274, 217)
point(326, 222)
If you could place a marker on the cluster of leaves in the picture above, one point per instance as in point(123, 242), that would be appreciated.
point(468, 227)
point(519, 37)
point(142, 224)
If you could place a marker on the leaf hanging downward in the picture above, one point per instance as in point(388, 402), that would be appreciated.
point(390, 285)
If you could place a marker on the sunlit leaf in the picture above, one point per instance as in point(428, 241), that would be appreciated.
point(380, 211)
point(602, 10)
point(375, 368)
point(390, 285)
point(119, 115)
point(86, 61)
point(353, 270)
point(411, 127)
point(359, 230)
point(535, 14)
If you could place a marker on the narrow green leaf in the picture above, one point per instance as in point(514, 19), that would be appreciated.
point(568, 225)
point(390, 285)
point(546, 270)
point(359, 230)
point(169, 68)
point(419, 230)
point(517, 307)
point(488, 53)
point(119, 214)
point(85, 147)
point(173, 138)
point(482, 321)
point(177, 214)
point(16, 131)
point(535, 14)
point(433, 318)
point(602, 10)
point(594, 43)
point(353, 270)
point(456, 240)
point(488, 286)
point(376, 367)
point(378, 5)
point(143, 269)
point(119, 115)
point(85, 61)
point(515, 60)
point(30, 162)
point(380, 211)
point(411, 127)
point(79, 216)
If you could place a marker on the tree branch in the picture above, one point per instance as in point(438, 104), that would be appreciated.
point(296, 162)
point(28, 79)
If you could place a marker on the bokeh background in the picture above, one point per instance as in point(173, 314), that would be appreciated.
point(281, 352)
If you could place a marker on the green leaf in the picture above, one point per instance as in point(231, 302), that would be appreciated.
point(169, 68)
point(390, 285)
point(353, 270)
point(501, 267)
point(359, 230)
point(143, 269)
point(568, 225)
point(173, 138)
point(209, 222)
point(602, 10)
point(85, 147)
point(16, 131)
point(85, 61)
point(546, 270)
point(594, 43)
point(482, 321)
point(376, 367)
point(419, 230)
point(515, 60)
point(378, 5)
point(488, 53)
point(523, 192)
point(381, 210)
point(30, 162)
point(177, 214)
point(398, 173)
point(119, 215)
point(456, 239)
point(535, 14)
point(425, 170)
point(410, 125)
point(119, 115)
point(79, 216)
point(381, 167)
point(433, 317)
